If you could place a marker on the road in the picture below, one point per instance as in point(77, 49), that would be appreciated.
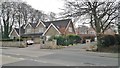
point(70, 56)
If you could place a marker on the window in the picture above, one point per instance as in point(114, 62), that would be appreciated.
point(70, 29)
point(91, 32)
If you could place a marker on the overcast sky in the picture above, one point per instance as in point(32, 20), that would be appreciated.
point(46, 5)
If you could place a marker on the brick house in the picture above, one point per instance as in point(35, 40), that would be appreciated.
point(84, 31)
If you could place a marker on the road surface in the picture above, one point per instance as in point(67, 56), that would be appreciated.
point(70, 56)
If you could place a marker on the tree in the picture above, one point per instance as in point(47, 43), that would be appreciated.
point(6, 14)
point(119, 18)
point(119, 28)
point(14, 14)
point(100, 14)
point(8, 17)
point(52, 16)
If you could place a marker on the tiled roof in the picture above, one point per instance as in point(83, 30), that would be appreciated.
point(58, 23)
point(22, 30)
point(87, 35)
point(33, 25)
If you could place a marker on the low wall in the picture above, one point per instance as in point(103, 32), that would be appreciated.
point(49, 45)
point(37, 40)
point(11, 43)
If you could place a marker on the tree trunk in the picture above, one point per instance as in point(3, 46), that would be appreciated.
point(99, 43)
point(119, 28)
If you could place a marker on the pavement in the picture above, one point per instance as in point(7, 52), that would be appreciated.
point(69, 56)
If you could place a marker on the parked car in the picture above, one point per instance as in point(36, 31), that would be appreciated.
point(30, 42)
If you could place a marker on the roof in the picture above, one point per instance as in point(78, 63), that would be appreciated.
point(33, 25)
point(22, 30)
point(58, 23)
point(83, 28)
point(49, 28)
point(87, 35)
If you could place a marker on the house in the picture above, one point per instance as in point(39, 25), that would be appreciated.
point(16, 32)
point(82, 29)
point(59, 27)
point(109, 32)
point(86, 32)
point(35, 31)
point(29, 31)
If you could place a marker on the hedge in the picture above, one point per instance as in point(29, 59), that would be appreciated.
point(110, 40)
point(17, 39)
point(67, 40)
point(117, 39)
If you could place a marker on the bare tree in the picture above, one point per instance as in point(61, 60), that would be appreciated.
point(6, 13)
point(52, 16)
point(119, 18)
point(16, 13)
point(100, 14)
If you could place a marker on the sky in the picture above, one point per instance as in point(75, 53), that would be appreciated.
point(46, 5)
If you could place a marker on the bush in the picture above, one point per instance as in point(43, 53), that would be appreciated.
point(60, 40)
point(107, 40)
point(67, 40)
point(117, 39)
point(110, 43)
point(73, 39)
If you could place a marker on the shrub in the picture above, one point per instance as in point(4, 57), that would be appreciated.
point(67, 40)
point(60, 40)
point(77, 39)
point(73, 39)
point(107, 40)
point(117, 39)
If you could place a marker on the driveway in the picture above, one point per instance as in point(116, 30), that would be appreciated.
point(70, 56)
